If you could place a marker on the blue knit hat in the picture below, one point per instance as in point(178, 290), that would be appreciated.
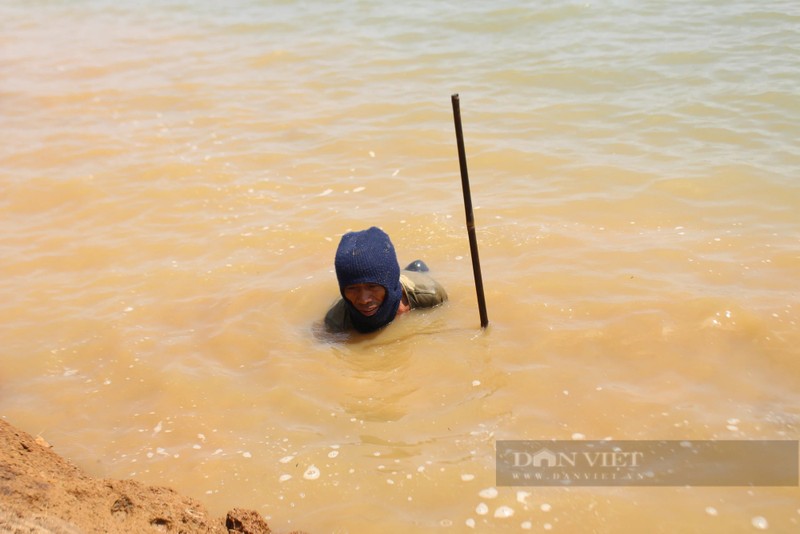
point(368, 257)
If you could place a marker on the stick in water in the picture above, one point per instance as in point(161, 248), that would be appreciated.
point(473, 241)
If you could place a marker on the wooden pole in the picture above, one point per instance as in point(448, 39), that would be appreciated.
point(473, 241)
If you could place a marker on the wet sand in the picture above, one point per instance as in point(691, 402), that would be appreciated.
point(42, 492)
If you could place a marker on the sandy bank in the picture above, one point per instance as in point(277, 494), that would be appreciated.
point(42, 492)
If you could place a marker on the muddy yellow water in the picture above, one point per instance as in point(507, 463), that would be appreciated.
point(175, 176)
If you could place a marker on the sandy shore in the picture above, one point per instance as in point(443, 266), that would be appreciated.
point(41, 492)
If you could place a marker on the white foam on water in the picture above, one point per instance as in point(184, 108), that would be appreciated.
point(526, 525)
point(358, 189)
point(333, 454)
point(545, 507)
point(522, 497)
point(710, 510)
point(547, 526)
point(286, 459)
point(284, 477)
point(504, 512)
point(470, 523)
point(312, 473)
point(466, 477)
point(488, 493)
point(476, 383)
point(247, 454)
point(578, 435)
point(325, 193)
point(482, 509)
point(760, 522)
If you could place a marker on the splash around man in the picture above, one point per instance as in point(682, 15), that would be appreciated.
point(374, 290)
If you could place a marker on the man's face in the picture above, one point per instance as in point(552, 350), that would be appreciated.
point(366, 298)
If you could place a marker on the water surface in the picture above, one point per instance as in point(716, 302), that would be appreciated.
point(176, 176)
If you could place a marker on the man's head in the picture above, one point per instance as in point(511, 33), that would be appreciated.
point(369, 278)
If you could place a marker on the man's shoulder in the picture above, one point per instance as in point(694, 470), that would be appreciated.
point(338, 319)
point(422, 290)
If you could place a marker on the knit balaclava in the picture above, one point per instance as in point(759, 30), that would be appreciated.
point(368, 257)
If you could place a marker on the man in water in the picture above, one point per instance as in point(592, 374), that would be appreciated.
point(373, 288)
